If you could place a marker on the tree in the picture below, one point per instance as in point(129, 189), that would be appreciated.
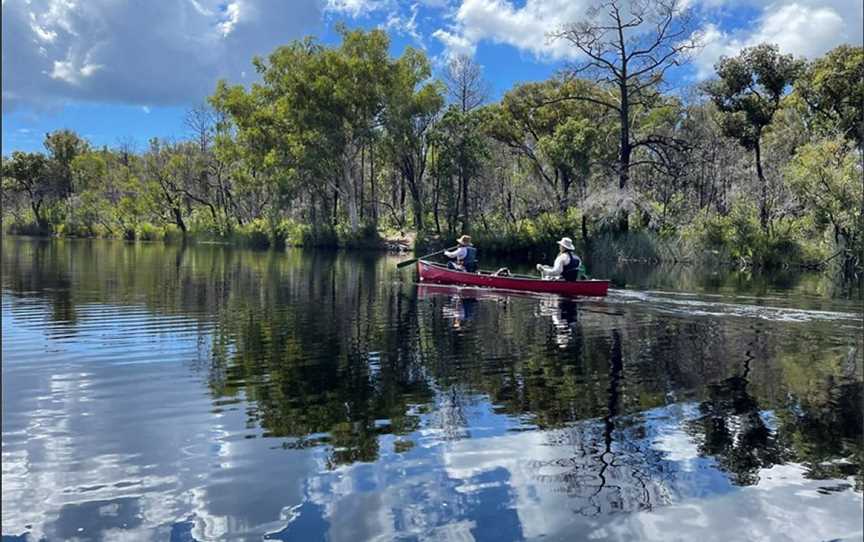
point(27, 173)
point(629, 45)
point(826, 175)
point(63, 146)
point(467, 91)
point(748, 93)
point(165, 166)
point(310, 118)
point(557, 138)
point(460, 149)
point(408, 116)
point(465, 85)
point(832, 87)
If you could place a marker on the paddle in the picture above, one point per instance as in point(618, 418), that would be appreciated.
point(400, 265)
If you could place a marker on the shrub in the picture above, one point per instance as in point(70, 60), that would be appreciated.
point(148, 232)
point(171, 233)
point(256, 234)
point(738, 237)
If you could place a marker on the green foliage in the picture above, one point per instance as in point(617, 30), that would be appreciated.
point(529, 237)
point(832, 89)
point(148, 232)
point(737, 236)
point(749, 89)
point(559, 136)
point(338, 143)
point(63, 147)
point(256, 234)
point(827, 174)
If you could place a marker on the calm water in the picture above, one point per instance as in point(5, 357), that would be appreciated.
point(161, 393)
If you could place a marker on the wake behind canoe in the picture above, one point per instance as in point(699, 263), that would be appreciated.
point(431, 272)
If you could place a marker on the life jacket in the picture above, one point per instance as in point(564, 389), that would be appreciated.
point(571, 270)
point(469, 262)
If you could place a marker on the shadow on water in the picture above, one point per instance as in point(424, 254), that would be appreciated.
point(311, 395)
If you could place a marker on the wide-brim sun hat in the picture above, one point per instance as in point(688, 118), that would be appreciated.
point(567, 243)
point(464, 240)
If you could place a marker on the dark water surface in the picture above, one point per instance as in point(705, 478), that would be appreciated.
point(158, 393)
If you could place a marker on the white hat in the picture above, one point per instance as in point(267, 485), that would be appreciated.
point(567, 243)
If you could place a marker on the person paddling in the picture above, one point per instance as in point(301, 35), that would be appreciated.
point(567, 265)
point(465, 256)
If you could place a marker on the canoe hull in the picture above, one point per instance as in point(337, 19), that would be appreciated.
point(439, 274)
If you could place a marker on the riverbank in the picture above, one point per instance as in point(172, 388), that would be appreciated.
point(517, 247)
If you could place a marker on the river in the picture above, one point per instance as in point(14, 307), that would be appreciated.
point(157, 392)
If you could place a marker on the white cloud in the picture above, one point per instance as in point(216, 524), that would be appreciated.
point(501, 21)
point(405, 24)
point(232, 15)
point(805, 28)
point(356, 8)
point(454, 44)
point(201, 9)
point(159, 53)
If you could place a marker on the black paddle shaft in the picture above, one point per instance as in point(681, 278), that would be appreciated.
point(400, 265)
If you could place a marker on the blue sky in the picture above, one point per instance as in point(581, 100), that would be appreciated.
point(127, 71)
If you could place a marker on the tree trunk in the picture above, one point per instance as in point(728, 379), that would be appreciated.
point(350, 194)
point(763, 200)
point(362, 177)
point(373, 187)
point(402, 198)
point(178, 219)
point(36, 206)
point(565, 192)
point(333, 218)
point(436, 197)
point(466, 221)
point(585, 239)
point(626, 150)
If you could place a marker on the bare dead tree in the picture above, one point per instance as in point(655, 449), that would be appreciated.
point(201, 122)
point(629, 45)
point(465, 84)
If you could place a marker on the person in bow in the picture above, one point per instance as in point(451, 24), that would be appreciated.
point(464, 257)
point(567, 266)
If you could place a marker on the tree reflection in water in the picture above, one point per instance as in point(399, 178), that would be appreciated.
point(338, 354)
point(612, 469)
point(732, 428)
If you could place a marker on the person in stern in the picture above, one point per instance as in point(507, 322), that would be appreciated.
point(465, 256)
point(567, 266)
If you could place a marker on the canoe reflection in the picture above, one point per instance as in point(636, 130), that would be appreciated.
point(463, 303)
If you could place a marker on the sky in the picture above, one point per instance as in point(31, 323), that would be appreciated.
point(126, 71)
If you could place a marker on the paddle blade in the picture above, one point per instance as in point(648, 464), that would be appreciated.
point(406, 263)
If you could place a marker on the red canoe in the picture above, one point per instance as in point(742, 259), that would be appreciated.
point(431, 272)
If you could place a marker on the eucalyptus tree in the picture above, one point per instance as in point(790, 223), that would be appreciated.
point(467, 91)
point(165, 170)
point(27, 173)
point(313, 113)
point(408, 117)
point(460, 149)
point(748, 92)
point(63, 146)
point(826, 175)
point(557, 138)
point(628, 46)
point(832, 87)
